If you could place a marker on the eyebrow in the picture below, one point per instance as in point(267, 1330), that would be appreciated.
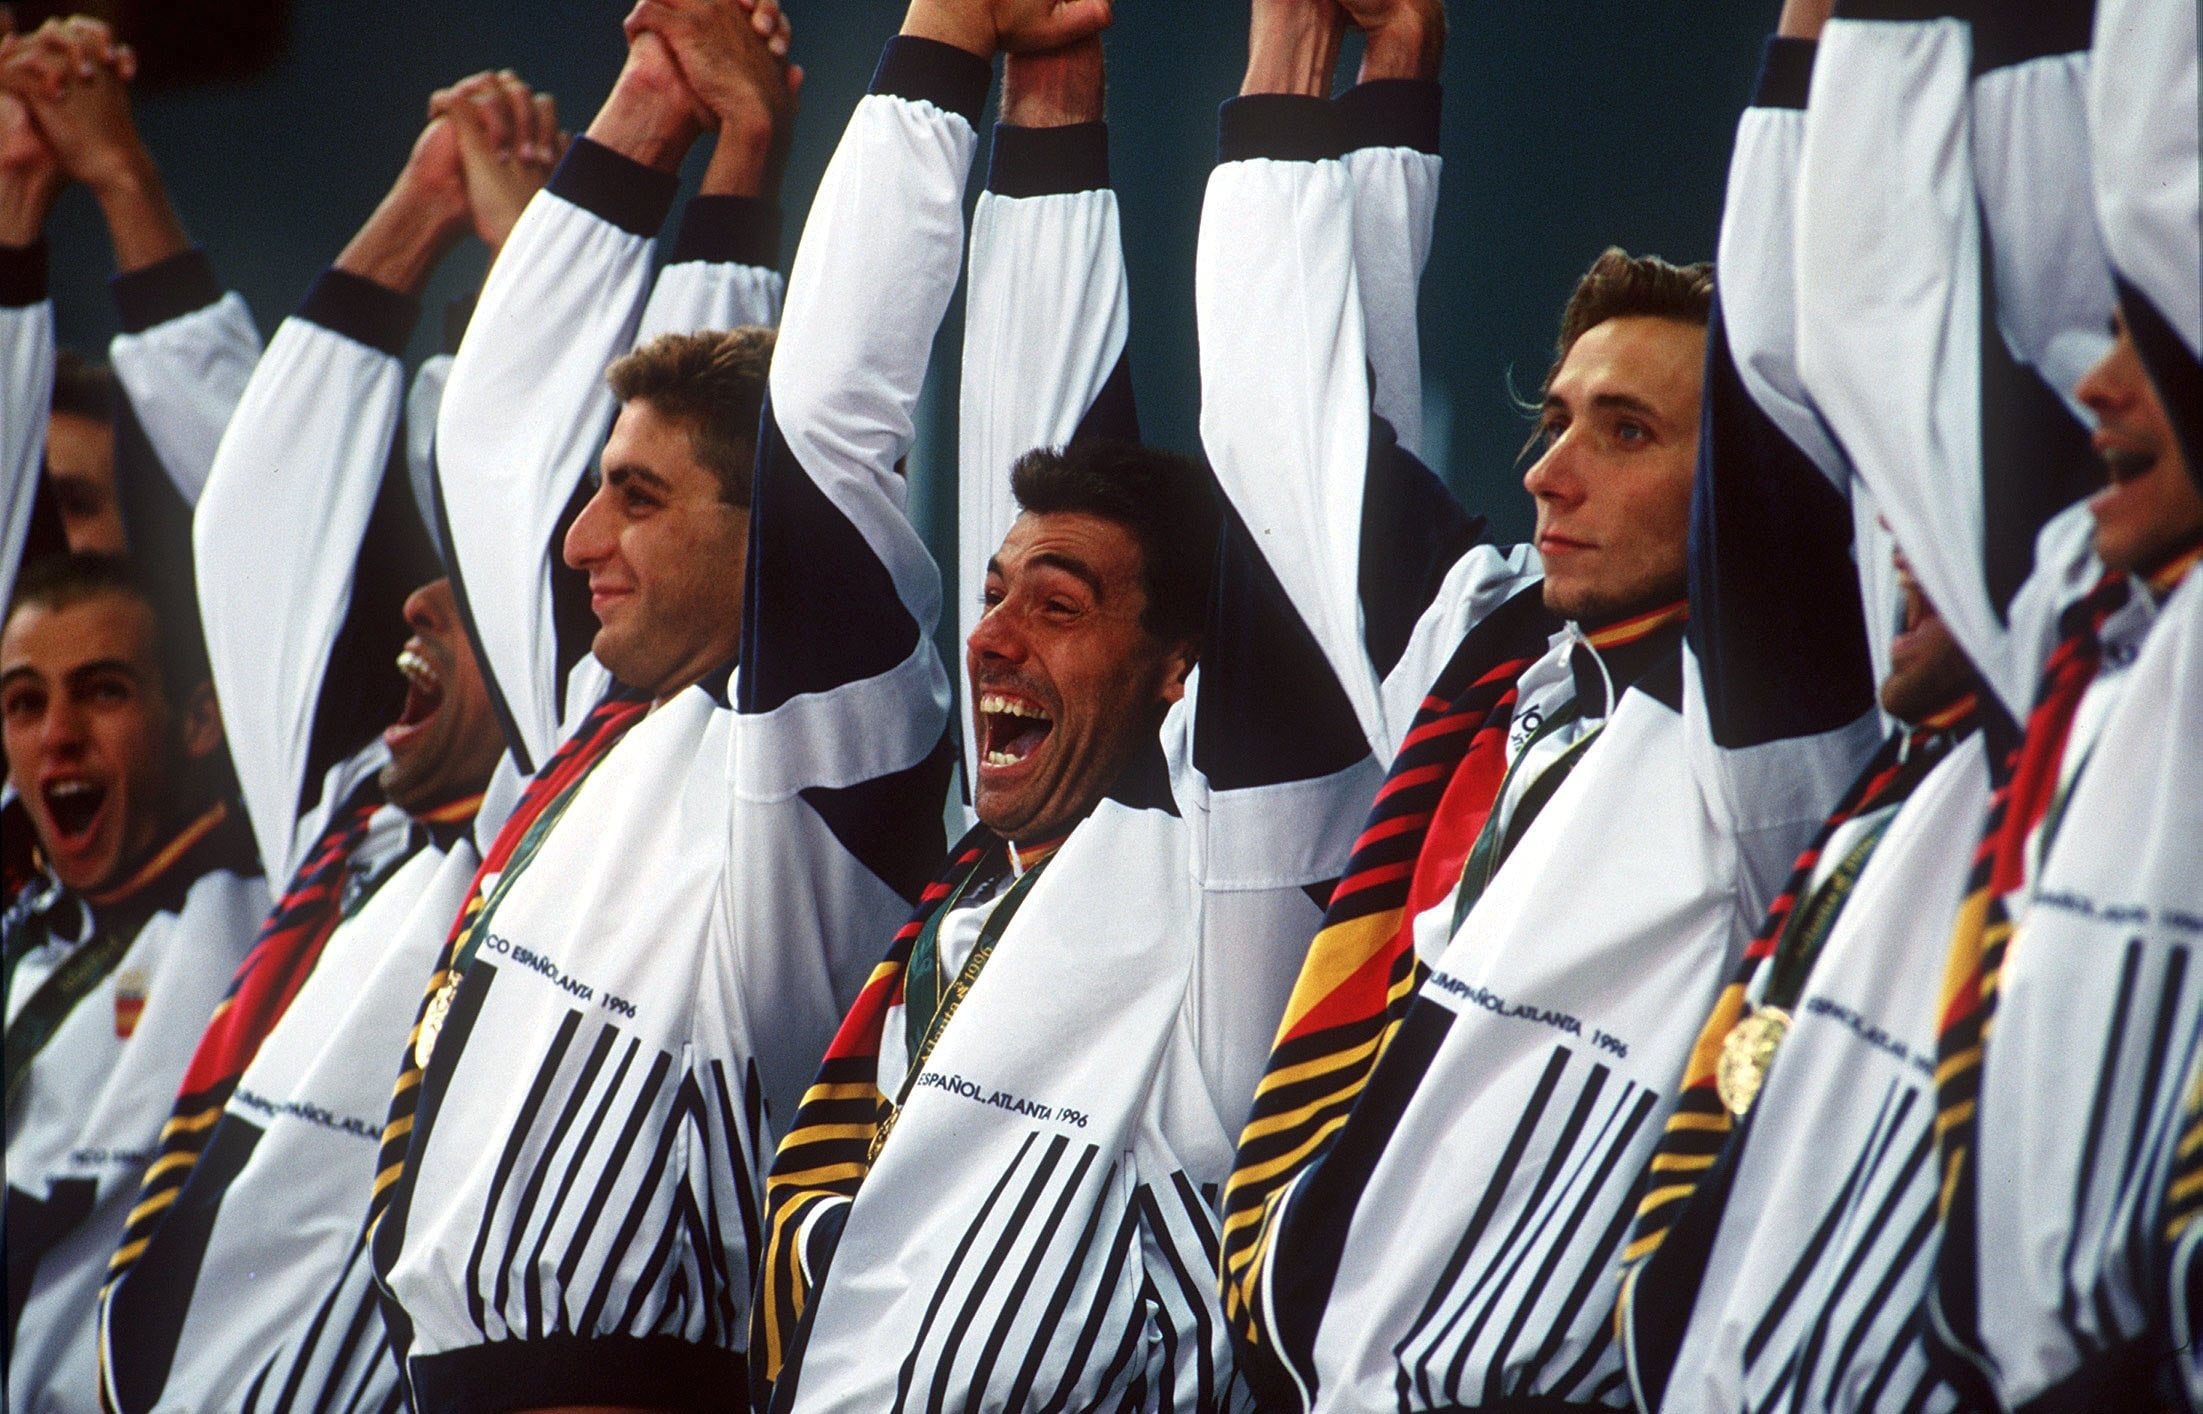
point(628, 471)
point(1048, 559)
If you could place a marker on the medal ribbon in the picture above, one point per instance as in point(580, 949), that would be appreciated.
point(282, 958)
point(1798, 921)
point(554, 785)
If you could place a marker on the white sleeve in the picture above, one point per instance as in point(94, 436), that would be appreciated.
point(2149, 197)
point(1779, 691)
point(841, 760)
point(1888, 249)
point(1045, 322)
point(2049, 269)
point(300, 468)
point(1392, 164)
point(182, 359)
point(526, 407)
point(26, 397)
point(723, 272)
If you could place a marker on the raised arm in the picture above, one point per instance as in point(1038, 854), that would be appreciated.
point(186, 346)
point(1286, 395)
point(29, 179)
point(303, 466)
point(1047, 315)
point(1889, 322)
point(1784, 685)
point(525, 409)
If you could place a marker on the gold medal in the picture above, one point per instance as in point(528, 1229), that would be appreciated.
point(1746, 1052)
point(880, 1133)
point(432, 1021)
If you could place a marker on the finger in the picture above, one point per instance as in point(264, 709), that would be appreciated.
point(493, 120)
point(92, 42)
point(126, 62)
point(1066, 24)
point(795, 80)
point(519, 110)
point(547, 144)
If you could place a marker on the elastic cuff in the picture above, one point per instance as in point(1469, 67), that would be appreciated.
point(2013, 34)
point(1785, 72)
point(1904, 10)
point(23, 274)
point(647, 1372)
point(615, 187)
point(1049, 161)
point(458, 314)
point(167, 289)
point(1392, 113)
point(729, 230)
point(361, 310)
point(1287, 127)
point(951, 79)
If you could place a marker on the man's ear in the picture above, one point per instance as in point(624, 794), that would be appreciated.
point(1177, 667)
point(201, 722)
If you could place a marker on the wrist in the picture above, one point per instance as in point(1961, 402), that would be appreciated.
point(746, 158)
point(25, 203)
point(401, 244)
point(1412, 47)
point(965, 26)
point(1053, 90)
point(649, 127)
point(128, 173)
point(1293, 54)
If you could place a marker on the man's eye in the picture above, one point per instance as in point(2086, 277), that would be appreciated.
point(1631, 432)
point(109, 692)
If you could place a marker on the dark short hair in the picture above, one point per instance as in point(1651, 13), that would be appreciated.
point(1165, 500)
point(83, 387)
point(713, 381)
point(58, 581)
point(1619, 285)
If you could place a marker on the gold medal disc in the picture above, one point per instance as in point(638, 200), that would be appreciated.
point(432, 1021)
point(1746, 1052)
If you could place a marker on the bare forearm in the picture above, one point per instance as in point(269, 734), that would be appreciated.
point(1804, 19)
point(24, 204)
point(1055, 89)
point(1292, 51)
point(140, 221)
point(1411, 47)
point(401, 245)
point(747, 159)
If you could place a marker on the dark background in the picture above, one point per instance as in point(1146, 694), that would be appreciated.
point(1569, 126)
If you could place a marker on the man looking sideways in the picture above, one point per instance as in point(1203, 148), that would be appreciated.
point(1581, 826)
point(362, 783)
point(114, 955)
point(631, 992)
point(1001, 1188)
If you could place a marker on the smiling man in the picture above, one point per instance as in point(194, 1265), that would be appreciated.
point(118, 952)
point(1002, 1186)
point(638, 982)
point(1605, 751)
point(366, 739)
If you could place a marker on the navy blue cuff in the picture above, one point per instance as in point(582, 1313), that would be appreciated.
point(2013, 34)
point(458, 314)
point(1049, 161)
point(951, 79)
point(167, 289)
point(361, 310)
point(1904, 10)
point(650, 1372)
point(23, 274)
point(1392, 113)
point(617, 188)
point(729, 230)
point(1285, 126)
point(1785, 72)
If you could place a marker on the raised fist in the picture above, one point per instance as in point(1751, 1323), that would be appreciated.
point(72, 75)
point(508, 143)
point(732, 54)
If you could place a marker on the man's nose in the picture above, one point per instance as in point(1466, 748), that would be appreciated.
point(588, 539)
point(997, 637)
point(1553, 476)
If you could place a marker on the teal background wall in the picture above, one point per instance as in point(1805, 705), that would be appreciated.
point(1570, 125)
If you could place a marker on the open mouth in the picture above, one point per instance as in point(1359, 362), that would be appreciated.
point(2126, 465)
point(74, 807)
point(1011, 729)
point(424, 693)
